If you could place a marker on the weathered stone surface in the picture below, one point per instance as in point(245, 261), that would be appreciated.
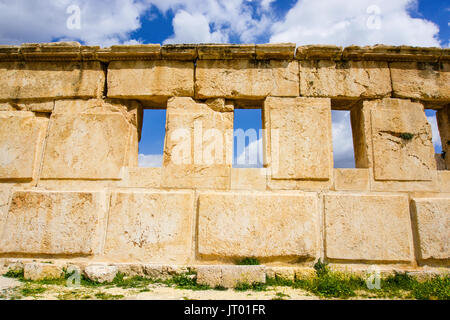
point(86, 146)
point(248, 179)
point(236, 225)
point(284, 51)
point(300, 142)
point(150, 226)
point(5, 192)
point(144, 79)
point(367, 227)
point(51, 80)
point(420, 80)
point(198, 145)
point(444, 180)
point(351, 79)
point(55, 223)
point(351, 179)
point(21, 138)
point(432, 223)
point(149, 178)
point(286, 273)
point(225, 51)
point(42, 271)
point(101, 273)
point(230, 276)
point(246, 78)
point(402, 141)
point(163, 272)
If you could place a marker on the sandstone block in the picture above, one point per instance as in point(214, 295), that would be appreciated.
point(246, 78)
point(443, 120)
point(42, 271)
point(432, 222)
point(144, 79)
point(444, 180)
point(163, 272)
point(367, 227)
point(86, 146)
point(101, 273)
point(150, 226)
point(5, 193)
point(198, 146)
point(51, 79)
point(286, 273)
point(149, 178)
point(349, 79)
point(66, 223)
point(351, 179)
point(21, 138)
point(257, 225)
point(248, 179)
point(421, 80)
point(299, 142)
point(230, 276)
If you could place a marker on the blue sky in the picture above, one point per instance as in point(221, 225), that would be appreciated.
point(340, 22)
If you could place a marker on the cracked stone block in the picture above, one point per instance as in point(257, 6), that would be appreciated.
point(299, 138)
point(145, 79)
point(101, 273)
point(432, 219)
point(21, 137)
point(236, 225)
point(199, 144)
point(44, 222)
point(42, 271)
point(367, 228)
point(230, 276)
point(150, 227)
point(53, 79)
point(5, 193)
point(421, 80)
point(242, 78)
point(350, 79)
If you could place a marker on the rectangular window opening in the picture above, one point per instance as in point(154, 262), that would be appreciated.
point(247, 139)
point(437, 143)
point(151, 145)
point(343, 149)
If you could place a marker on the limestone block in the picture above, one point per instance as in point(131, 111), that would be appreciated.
point(367, 227)
point(66, 223)
point(230, 276)
point(397, 157)
point(101, 273)
point(421, 80)
point(150, 226)
point(350, 79)
point(21, 138)
point(144, 79)
point(149, 178)
point(286, 273)
point(248, 179)
point(244, 78)
point(4, 202)
point(86, 146)
point(443, 120)
point(444, 180)
point(163, 272)
point(199, 144)
point(300, 141)
point(351, 179)
point(42, 271)
point(52, 79)
point(257, 225)
point(432, 222)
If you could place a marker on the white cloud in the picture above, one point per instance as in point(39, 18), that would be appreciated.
point(251, 156)
point(358, 22)
point(150, 160)
point(436, 136)
point(344, 156)
point(103, 22)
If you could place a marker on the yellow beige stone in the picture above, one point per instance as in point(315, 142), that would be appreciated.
point(66, 223)
point(257, 225)
point(443, 120)
point(300, 140)
point(21, 138)
point(367, 227)
point(51, 80)
point(351, 179)
point(248, 179)
point(432, 223)
point(144, 79)
point(150, 227)
point(246, 78)
point(352, 79)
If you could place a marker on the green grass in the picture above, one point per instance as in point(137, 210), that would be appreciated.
point(32, 291)
point(248, 262)
point(107, 296)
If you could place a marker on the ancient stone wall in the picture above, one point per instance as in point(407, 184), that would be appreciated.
point(71, 188)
